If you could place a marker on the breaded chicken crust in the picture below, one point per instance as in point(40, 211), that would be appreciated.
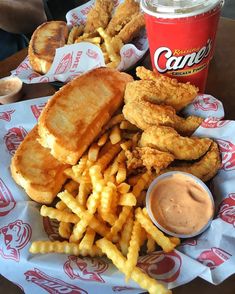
point(206, 168)
point(168, 140)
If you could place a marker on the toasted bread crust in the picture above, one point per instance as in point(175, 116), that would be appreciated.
point(36, 170)
point(75, 115)
point(45, 40)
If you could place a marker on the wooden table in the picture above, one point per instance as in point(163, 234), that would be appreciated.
point(221, 84)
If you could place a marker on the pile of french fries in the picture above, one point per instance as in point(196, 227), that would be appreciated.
point(110, 46)
point(102, 208)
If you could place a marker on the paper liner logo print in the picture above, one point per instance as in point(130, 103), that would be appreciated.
point(64, 64)
point(161, 266)
point(92, 54)
point(6, 115)
point(213, 257)
point(37, 109)
point(23, 66)
point(211, 123)
point(228, 154)
point(7, 202)
point(86, 269)
point(51, 227)
point(227, 209)
point(13, 138)
point(50, 284)
point(13, 238)
point(189, 242)
point(207, 103)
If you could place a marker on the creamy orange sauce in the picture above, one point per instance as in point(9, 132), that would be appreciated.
point(180, 205)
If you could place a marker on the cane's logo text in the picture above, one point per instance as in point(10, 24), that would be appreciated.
point(165, 60)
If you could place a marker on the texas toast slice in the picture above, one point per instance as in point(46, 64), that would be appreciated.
point(45, 40)
point(75, 115)
point(36, 170)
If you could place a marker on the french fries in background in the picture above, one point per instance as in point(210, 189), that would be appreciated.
point(108, 29)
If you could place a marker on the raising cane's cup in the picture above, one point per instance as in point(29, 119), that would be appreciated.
point(181, 37)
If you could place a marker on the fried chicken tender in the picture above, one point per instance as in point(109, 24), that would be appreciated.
point(144, 114)
point(99, 15)
point(123, 14)
point(160, 89)
point(148, 157)
point(168, 140)
point(132, 28)
point(206, 168)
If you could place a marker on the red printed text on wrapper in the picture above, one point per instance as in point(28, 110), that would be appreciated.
point(14, 237)
point(6, 115)
point(212, 123)
point(207, 103)
point(227, 209)
point(86, 269)
point(37, 109)
point(65, 64)
point(50, 284)
point(189, 242)
point(13, 138)
point(161, 266)
point(51, 227)
point(227, 150)
point(213, 257)
point(23, 66)
point(7, 202)
point(92, 54)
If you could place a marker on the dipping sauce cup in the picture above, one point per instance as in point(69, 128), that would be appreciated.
point(10, 89)
point(180, 204)
point(181, 35)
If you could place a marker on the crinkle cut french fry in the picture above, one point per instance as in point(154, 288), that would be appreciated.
point(65, 230)
point(59, 215)
point(126, 125)
point(127, 199)
point(126, 234)
point(108, 156)
point(103, 139)
point(121, 174)
point(74, 33)
point(142, 182)
point(88, 239)
point(153, 231)
point(79, 168)
point(106, 199)
point(71, 186)
point(123, 188)
point(145, 282)
point(115, 135)
point(126, 145)
point(126, 210)
point(79, 211)
point(133, 250)
point(83, 192)
point(114, 121)
point(93, 152)
point(151, 245)
point(62, 247)
point(60, 205)
point(70, 173)
point(93, 202)
point(80, 228)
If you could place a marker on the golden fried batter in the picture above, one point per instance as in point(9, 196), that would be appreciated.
point(144, 114)
point(206, 168)
point(148, 157)
point(157, 88)
point(99, 15)
point(168, 140)
point(132, 28)
point(123, 14)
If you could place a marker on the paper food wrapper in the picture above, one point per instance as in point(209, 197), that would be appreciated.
point(210, 256)
point(73, 60)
